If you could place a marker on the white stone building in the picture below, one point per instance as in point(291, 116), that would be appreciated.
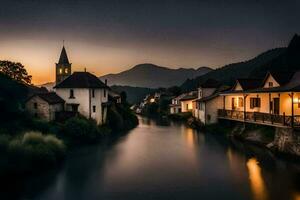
point(208, 102)
point(44, 105)
point(83, 92)
point(175, 106)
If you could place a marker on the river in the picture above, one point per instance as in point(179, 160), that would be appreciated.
point(161, 162)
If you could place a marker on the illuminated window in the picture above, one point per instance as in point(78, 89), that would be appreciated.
point(66, 70)
point(60, 70)
point(241, 102)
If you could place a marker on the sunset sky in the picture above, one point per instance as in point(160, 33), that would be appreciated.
point(114, 35)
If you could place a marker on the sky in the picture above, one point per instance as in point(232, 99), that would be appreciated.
point(110, 36)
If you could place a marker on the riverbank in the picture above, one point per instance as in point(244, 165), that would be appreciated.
point(280, 141)
point(156, 161)
point(29, 146)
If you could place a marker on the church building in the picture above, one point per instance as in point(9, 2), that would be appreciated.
point(82, 92)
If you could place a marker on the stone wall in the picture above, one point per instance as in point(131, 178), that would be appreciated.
point(287, 140)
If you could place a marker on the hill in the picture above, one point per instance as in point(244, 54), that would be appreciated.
point(153, 76)
point(282, 59)
point(229, 73)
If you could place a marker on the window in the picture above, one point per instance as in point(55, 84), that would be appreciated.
point(60, 70)
point(254, 103)
point(241, 102)
point(93, 93)
point(233, 103)
point(200, 94)
point(66, 70)
point(187, 106)
point(35, 105)
point(201, 106)
point(104, 93)
point(71, 94)
point(270, 84)
point(94, 108)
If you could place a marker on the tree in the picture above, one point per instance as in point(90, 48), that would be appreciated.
point(15, 71)
point(175, 90)
point(123, 96)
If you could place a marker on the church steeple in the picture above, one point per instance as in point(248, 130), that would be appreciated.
point(63, 67)
point(63, 59)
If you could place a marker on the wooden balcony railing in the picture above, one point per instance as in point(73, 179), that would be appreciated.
point(257, 117)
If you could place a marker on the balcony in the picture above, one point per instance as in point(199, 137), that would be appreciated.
point(260, 118)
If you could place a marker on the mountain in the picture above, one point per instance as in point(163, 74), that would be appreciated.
point(229, 73)
point(280, 59)
point(153, 76)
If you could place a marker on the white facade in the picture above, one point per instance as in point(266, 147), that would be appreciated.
point(207, 111)
point(87, 101)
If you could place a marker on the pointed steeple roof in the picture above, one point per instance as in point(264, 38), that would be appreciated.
point(63, 59)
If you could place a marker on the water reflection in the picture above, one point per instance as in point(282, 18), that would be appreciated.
point(256, 181)
point(155, 161)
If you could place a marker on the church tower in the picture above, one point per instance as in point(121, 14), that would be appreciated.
point(63, 67)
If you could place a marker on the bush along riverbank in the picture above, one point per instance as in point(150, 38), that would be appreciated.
point(29, 145)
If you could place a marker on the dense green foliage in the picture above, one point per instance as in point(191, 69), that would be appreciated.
point(30, 152)
point(81, 130)
point(121, 118)
point(16, 71)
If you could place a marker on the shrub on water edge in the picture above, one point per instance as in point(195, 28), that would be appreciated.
point(80, 130)
point(34, 150)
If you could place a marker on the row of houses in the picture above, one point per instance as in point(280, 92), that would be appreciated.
point(73, 93)
point(272, 101)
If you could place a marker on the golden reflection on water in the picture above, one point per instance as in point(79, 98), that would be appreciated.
point(256, 180)
point(192, 138)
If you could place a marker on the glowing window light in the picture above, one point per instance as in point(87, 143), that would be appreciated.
point(60, 70)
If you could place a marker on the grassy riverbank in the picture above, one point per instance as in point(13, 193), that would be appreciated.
point(30, 145)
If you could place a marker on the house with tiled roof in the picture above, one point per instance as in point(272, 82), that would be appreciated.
point(78, 93)
point(83, 92)
point(208, 102)
point(272, 101)
point(44, 105)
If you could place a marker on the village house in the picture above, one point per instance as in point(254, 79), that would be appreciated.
point(186, 102)
point(83, 92)
point(208, 102)
point(44, 105)
point(175, 106)
point(80, 92)
point(273, 101)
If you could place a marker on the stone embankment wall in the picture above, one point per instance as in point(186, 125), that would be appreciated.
point(287, 140)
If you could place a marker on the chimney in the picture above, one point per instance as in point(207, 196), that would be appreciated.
point(105, 81)
point(85, 69)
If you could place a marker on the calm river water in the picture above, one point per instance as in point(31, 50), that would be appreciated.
point(163, 162)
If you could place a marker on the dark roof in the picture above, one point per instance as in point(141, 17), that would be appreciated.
point(292, 86)
point(189, 96)
point(248, 84)
point(50, 97)
point(203, 99)
point(210, 83)
point(81, 80)
point(281, 77)
point(63, 59)
point(32, 90)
